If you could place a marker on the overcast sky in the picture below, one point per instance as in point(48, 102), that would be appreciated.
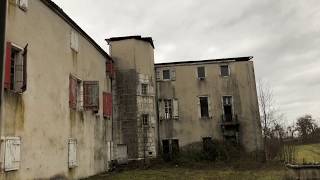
point(282, 35)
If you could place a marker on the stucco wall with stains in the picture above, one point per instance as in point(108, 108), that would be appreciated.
point(41, 115)
point(186, 88)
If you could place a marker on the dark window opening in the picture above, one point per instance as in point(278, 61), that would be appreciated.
point(201, 72)
point(145, 119)
point(227, 108)
point(204, 106)
point(144, 89)
point(224, 70)
point(166, 74)
point(207, 144)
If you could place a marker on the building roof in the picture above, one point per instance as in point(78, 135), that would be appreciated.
point(207, 61)
point(146, 39)
point(56, 9)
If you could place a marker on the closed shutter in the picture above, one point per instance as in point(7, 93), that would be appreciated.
point(162, 114)
point(25, 56)
point(110, 69)
point(107, 104)
point(7, 77)
point(12, 153)
point(175, 108)
point(72, 92)
point(173, 74)
point(158, 75)
point(91, 95)
point(72, 153)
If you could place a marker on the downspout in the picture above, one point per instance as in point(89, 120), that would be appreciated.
point(3, 16)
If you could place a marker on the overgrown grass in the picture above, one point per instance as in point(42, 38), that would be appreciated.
point(207, 171)
point(308, 153)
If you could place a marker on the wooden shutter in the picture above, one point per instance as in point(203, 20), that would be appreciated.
point(18, 73)
point(91, 95)
point(110, 69)
point(72, 153)
point(175, 108)
point(173, 74)
point(7, 77)
point(12, 153)
point(72, 92)
point(25, 56)
point(107, 104)
point(209, 107)
point(161, 109)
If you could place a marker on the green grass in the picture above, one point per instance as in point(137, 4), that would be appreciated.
point(308, 153)
point(261, 173)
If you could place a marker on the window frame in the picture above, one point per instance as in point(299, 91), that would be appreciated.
point(228, 67)
point(200, 106)
point(167, 108)
point(163, 75)
point(144, 89)
point(204, 72)
point(145, 119)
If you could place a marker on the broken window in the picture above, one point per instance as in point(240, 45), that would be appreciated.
point(224, 70)
point(144, 89)
point(91, 95)
point(145, 119)
point(227, 108)
point(168, 108)
point(16, 68)
point(166, 74)
point(201, 72)
point(204, 107)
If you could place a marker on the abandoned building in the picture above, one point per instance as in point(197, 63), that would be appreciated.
point(57, 106)
point(69, 109)
point(208, 99)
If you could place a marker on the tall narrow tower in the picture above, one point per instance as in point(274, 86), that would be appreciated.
point(135, 118)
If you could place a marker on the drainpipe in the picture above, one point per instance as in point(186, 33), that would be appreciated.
point(3, 16)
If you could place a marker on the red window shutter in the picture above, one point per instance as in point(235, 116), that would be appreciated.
point(91, 95)
point(25, 55)
point(110, 69)
point(72, 92)
point(107, 104)
point(7, 77)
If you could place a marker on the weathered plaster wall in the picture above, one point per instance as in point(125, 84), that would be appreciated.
point(41, 116)
point(186, 88)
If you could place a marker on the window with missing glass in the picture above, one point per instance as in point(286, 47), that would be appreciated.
point(144, 89)
point(145, 119)
point(201, 72)
point(204, 107)
point(224, 70)
point(166, 74)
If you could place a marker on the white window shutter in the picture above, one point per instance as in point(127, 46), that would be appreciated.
point(12, 153)
point(209, 107)
point(158, 75)
point(23, 4)
point(72, 153)
point(175, 108)
point(18, 70)
point(161, 109)
point(74, 41)
point(173, 74)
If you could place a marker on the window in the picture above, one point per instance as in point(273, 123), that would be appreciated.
point(107, 105)
point(227, 100)
point(167, 108)
point(72, 153)
point(83, 95)
point(224, 70)
point(144, 89)
point(227, 108)
point(166, 74)
point(204, 110)
point(145, 119)
point(201, 72)
point(110, 69)
point(16, 68)
point(12, 153)
point(74, 44)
